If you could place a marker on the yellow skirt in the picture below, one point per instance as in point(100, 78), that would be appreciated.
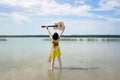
point(56, 52)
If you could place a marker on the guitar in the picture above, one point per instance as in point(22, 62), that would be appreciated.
point(59, 26)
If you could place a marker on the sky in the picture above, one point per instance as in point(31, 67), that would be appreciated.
point(81, 17)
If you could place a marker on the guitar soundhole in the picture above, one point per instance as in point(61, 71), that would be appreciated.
point(60, 26)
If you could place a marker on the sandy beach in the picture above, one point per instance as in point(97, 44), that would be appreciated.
point(40, 71)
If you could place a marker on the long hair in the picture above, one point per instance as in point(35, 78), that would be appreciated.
point(55, 36)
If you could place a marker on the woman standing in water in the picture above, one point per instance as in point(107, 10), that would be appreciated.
point(55, 52)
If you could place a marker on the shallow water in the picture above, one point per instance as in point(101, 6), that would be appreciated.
point(25, 59)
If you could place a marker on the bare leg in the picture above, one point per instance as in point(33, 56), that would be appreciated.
point(52, 64)
point(49, 59)
point(60, 64)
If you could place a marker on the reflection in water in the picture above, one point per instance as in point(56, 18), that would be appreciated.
point(54, 76)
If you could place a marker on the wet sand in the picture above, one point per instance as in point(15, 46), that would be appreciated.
point(40, 71)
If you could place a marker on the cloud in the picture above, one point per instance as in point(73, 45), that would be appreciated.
point(48, 7)
point(21, 3)
point(2, 14)
point(111, 19)
point(17, 17)
point(87, 26)
point(109, 5)
point(53, 8)
point(81, 1)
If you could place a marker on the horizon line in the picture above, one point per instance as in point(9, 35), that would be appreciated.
point(97, 36)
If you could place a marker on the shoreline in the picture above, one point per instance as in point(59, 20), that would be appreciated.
point(67, 36)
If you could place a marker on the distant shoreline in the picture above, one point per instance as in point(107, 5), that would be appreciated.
point(73, 36)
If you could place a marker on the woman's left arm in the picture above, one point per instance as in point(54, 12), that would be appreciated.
point(50, 35)
point(62, 32)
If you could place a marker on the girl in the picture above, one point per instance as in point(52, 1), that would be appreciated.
point(55, 48)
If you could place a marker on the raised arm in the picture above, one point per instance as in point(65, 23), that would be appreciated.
point(62, 32)
point(50, 35)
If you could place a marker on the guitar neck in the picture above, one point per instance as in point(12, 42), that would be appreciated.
point(49, 26)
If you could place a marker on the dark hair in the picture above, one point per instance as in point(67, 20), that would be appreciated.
point(55, 36)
